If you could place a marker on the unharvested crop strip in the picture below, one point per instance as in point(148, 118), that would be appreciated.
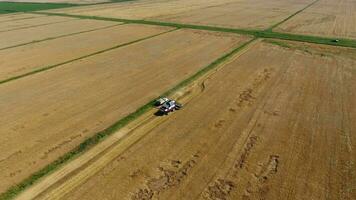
point(289, 17)
point(342, 42)
point(61, 36)
point(90, 142)
point(82, 57)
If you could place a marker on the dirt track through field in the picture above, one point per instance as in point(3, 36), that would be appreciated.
point(53, 111)
point(267, 128)
point(28, 35)
point(24, 59)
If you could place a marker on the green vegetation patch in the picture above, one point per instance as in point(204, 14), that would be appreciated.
point(13, 7)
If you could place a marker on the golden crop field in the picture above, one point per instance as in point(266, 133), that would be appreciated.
point(266, 87)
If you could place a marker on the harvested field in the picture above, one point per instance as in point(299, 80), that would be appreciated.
point(18, 16)
point(60, 1)
point(47, 114)
point(24, 59)
point(32, 22)
point(16, 37)
point(142, 9)
point(325, 18)
point(277, 127)
point(256, 14)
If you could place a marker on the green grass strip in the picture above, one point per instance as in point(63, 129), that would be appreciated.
point(61, 36)
point(289, 17)
point(98, 137)
point(82, 57)
point(13, 7)
point(343, 42)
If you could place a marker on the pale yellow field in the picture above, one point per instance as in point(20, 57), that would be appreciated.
point(59, 1)
point(17, 16)
point(277, 127)
point(24, 59)
point(32, 22)
point(255, 14)
point(47, 114)
point(27, 35)
point(331, 18)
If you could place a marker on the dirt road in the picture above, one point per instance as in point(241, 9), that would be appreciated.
point(278, 127)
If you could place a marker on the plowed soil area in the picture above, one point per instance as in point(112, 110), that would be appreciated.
point(31, 22)
point(47, 114)
point(255, 14)
point(24, 59)
point(32, 34)
point(277, 127)
point(325, 18)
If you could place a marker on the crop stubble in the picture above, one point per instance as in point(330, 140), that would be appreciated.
point(324, 18)
point(47, 114)
point(28, 35)
point(277, 127)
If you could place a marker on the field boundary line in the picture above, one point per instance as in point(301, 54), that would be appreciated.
point(289, 17)
point(61, 36)
point(342, 42)
point(86, 145)
point(82, 57)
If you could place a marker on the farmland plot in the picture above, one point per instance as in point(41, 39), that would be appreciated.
point(17, 16)
point(256, 14)
point(60, 1)
point(325, 18)
point(277, 127)
point(24, 59)
point(142, 9)
point(16, 37)
point(32, 22)
point(47, 114)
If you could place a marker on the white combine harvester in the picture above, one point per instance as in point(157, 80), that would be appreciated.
point(167, 105)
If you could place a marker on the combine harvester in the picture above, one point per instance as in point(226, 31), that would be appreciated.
point(166, 105)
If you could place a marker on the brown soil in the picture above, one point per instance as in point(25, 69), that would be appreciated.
point(325, 18)
point(24, 59)
point(21, 36)
point(277, 127)
point(47, 114)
